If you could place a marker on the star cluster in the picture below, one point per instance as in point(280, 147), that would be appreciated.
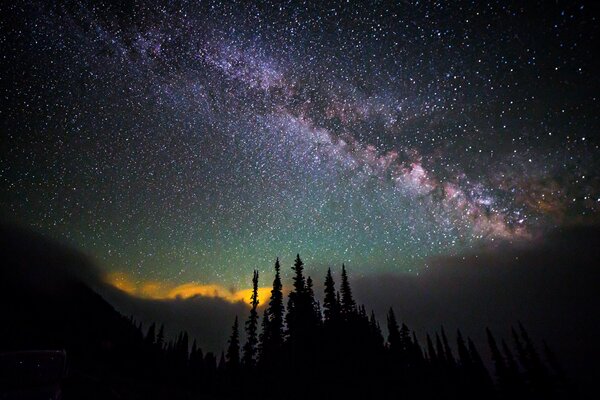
point(195, 141)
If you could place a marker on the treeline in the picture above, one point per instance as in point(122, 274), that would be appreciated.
point(337, 350)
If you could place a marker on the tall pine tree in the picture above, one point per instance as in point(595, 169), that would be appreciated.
point(276, 310)
point(298, 307)
point(330, 303)
point(250, 348)
point(348, 305)
point(394, 340)
point(233, 351)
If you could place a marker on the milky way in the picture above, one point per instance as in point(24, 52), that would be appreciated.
point(179, 142)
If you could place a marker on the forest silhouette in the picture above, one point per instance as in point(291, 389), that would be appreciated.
point(299, 348)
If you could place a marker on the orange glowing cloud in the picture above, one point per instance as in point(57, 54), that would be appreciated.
point(162, 291)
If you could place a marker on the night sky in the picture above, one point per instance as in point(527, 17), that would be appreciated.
point(182, 145)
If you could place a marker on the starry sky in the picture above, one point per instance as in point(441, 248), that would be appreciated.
point(183, 144)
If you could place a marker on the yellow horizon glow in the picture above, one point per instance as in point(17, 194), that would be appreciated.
point(164, 291)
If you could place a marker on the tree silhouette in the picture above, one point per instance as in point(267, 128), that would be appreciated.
point(314, 311)
point(348, 305)
point(514, 384)
point(464, 358)
point(263, 338)
point(499, 363)
point(273, 338)
point(431, 354)
point(330, 302)
point(340, 358)
point(376, 335)
point(233, 351)
point(250, 348)
point(297, 301)
point(394, 341)
point(482, 381)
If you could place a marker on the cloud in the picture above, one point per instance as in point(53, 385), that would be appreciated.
point(206, 319)
point(38, 269)
point(552, 286)
point(163, 290)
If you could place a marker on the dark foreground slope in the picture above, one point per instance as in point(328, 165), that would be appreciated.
point(46, 303)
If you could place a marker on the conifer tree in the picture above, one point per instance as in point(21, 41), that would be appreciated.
point(233, 351)
point(405, 340)
point(439, 348)
point(299, 280)
point(330, 302)
point(276, 311)
point(416, 350)
point(348, 305)
point(513, 378)
point(263, 338)
point(499, 364)
point(433, 359)
point(483, 381)
point(249, 351)
point(537, 368)
point(298, 303)
point(375, 330)
point(310, 297)
point(447, 350)
point(394, 340)
point(463, 353)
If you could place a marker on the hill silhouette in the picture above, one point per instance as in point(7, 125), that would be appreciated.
point(47, 303)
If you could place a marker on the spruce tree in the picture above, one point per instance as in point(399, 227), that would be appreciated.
point(439, 348)
point(250, 348)
point(375, 329)
point(315, 308)
point(405, 340)
point(513, 377)
point(310, 295)
point(537, 367)
point(483, 382)
point(463, 353)
point(263, 338)
point(330, 303)
point(276, 311)
point(447, 350)
point(298, 307)
point(348, 305)
point(431, 354)
point(299, 281)
point(394, 340)
point(499, 364)
point(233, 351)
point(416, 350)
